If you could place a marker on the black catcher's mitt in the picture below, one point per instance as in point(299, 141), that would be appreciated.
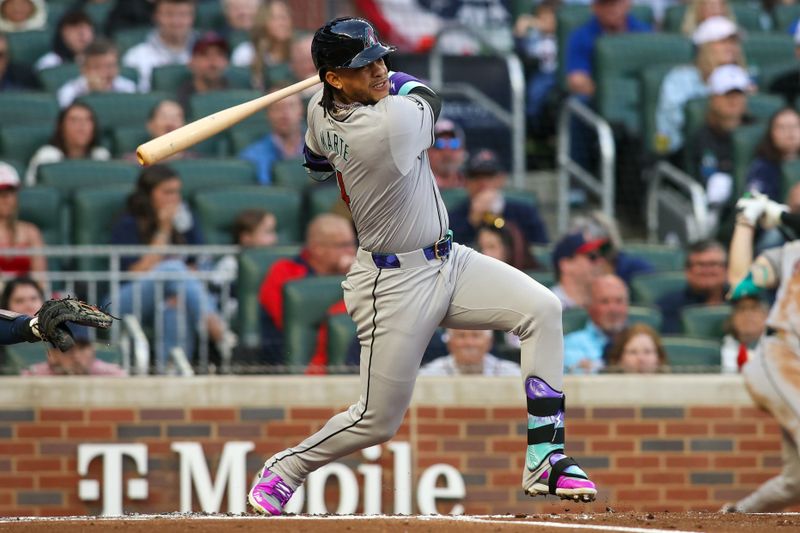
point(54, 314)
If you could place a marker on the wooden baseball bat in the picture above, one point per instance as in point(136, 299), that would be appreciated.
point(201, 129)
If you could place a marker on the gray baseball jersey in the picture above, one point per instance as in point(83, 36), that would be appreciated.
point(381, 160)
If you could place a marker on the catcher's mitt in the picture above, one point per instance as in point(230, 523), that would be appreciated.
point(52, 317)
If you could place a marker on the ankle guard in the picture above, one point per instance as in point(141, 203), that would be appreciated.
point(545, 421)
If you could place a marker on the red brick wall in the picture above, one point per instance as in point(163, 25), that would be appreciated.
point(658, 458)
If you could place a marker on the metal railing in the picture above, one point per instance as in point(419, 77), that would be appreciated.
point(106, 288)
point(601, 186)
point(672, 189)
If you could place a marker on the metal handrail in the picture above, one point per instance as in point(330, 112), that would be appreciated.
point(602, 186)
point(515, 119)
point(699, 222)
point(141, 347)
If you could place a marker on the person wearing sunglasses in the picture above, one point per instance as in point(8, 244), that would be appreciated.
point(575, 262)
point(448, 154)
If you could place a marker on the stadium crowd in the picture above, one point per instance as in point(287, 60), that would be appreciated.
point(711, 89)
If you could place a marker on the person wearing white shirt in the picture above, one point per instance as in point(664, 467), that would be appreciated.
point(169, 44)
point(469, 355)
point(99, 73)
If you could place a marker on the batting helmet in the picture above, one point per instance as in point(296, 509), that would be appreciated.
point(346, 42)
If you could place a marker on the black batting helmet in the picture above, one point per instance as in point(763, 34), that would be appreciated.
point(346, 42)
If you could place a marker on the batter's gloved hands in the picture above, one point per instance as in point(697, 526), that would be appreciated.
point(749, 208)
point(772, 213)
point(49, 324)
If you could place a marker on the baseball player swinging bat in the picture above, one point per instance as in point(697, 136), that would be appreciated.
point(201, 129)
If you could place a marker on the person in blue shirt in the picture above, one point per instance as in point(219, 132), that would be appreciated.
point(484, 184)
point(608, 315)
point(284, 141)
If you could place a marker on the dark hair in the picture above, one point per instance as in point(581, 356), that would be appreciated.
point(514, 242)
point(58, 139)
point(247, 221)
point(701, 246)
point(100, 47)
point(767, 149)
point(13, 284)
point(140, 206)
point(70, 18)
point(622, 339)
point(155, 108)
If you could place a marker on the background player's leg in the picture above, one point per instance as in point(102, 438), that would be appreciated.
point(489, 294)
point(781, 491)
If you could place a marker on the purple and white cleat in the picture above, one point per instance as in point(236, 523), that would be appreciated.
point(270, 493)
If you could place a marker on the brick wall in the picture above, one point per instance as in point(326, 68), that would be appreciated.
point(667, 457)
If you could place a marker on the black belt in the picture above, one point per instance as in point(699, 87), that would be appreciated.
point(438, 250)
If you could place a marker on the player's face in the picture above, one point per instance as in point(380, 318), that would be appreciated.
point(366, 85)
point(468, 347)
point(640, 355)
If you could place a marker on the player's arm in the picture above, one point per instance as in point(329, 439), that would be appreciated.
point(317, 166)
point(16, 328)
point(403, 84)
point(745, 276)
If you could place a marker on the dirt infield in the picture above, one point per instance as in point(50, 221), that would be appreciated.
point(628, 522)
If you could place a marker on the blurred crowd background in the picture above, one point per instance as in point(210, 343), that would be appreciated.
point(599, 146)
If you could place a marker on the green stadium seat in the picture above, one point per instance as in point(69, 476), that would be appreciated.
point(745, 140)
point(290, 173)
point(646, 289)
point(130, 37)
point(619, 61)
point(204, 174)
point(522, 195)
point(452, 198)
point(77, 174)
point(341, 332)
point(21, 356)
point(26, 47)
point(651, 79)
point(168, 78)
point(209, 16)
point(95, 211)
point(98, 12)
point(641, 314)
point(239, 77)
point(543, 254)
point(305, 306)
point(791, 175)
point(661, 256)
point(546, 278)
point(254, 263)
point(688, 354)
point(54, 77)
point(241, 137)
point(217, 210)
point(44, 207)
point(126, 139)
point(28, 108)
point(322, 199)
point(762, 49)
point(573, 319)
point(115, 110)
point(706, 321)
point(784, 15)
point(20, 142)
point(204, 104)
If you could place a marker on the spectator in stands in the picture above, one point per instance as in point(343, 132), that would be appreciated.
point(787, 84)
point(15, 233)
point(485, 181)
point(609, 17)
point(710, 152)
point(329, 249)
point(131, 14)
point(99, 74)
point(13, 76)
point(80, 360)
point(744, 330)
point(716, 43)
point(469, 354)
point(285, 139)
point(698, 11)
point(705, 270)
point(302, 64)
point(613, 259)
point(169, 44)
point(239, 15)
point(575, 262)
point(22, 15)
point(505, 242)
point(793, 198)
point(73, 34)
point(167, 115)
point(157, 216)
point(270, 45)
point(781, 143)
point(22, 295)
point(76, 137)
point(207, 65)
point(638, 350)
point(448, 154)
point(608, 313)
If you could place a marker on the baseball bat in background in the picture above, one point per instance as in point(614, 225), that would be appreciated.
point(201, 129)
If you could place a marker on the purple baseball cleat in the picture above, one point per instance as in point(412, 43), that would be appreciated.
point(563, 477)
point(270, 493)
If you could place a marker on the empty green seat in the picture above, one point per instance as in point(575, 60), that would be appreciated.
point(688, 354)
point(201, 174)
point(130, 37)
point(44, 207)
point(21, 356)
point(452, 198)
point(573, 319)
point(77, 174)
point(54, 77)
point(745, 140)
point(98, 12)
point(114, 110)
point(619, 60)
point(784, 15)
point(341, 332)
point(20, 142)
point(290, 173)
point(641, 314)
point(543, 253)
point(127, 138)
point(217, 209)
point(762, 49)
point(646, 289)
point(546, 278)
point(322, 199)
point(209, 16)
point(168, 78)
point(254, 263)
point(522, 195)
point(28, 108)
point(204, 104)
point(305, 306)
point(95, 211)
point(651, 78)
point(705, 320)
point(661, 256)
point(28, 46)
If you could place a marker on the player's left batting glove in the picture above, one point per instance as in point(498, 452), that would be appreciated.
point(402, 83)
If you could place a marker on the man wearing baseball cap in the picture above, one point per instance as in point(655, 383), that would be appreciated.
point(448, 153)
point(207, 65)
point(575, 262)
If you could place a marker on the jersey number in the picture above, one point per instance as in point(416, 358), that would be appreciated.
point(345, 197)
